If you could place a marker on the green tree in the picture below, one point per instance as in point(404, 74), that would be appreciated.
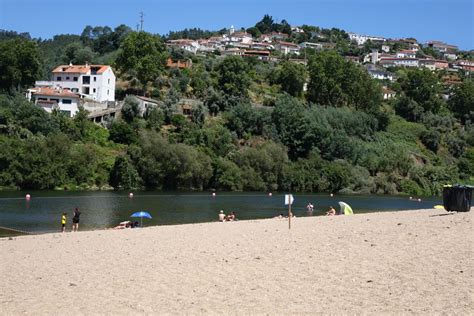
point(130, 109)
point(292, 77)
point(334, 81)
point(142, 56)
point(233, 78)
point(124, 175)
point(19, 63)
point(461, 102)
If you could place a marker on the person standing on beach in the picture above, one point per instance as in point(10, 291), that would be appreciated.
point(63, 222)
point(75, 220)
point(310, 207)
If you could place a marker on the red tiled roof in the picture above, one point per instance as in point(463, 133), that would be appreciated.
point(54, 92)
point(79, 68)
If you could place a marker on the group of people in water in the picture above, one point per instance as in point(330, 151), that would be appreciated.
point(75, 220)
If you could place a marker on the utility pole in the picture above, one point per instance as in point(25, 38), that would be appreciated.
point(141, 21)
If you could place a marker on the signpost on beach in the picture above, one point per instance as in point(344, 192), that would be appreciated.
point(288, 201)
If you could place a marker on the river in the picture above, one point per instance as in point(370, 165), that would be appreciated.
point(101, 210)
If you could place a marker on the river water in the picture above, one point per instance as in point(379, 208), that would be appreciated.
point(42, 213)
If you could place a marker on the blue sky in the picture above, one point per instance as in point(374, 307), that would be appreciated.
point(448, 20)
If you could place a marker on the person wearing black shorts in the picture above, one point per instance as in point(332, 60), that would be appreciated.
point(75, 220)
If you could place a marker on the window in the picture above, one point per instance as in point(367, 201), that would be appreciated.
point(93, 90)
point(108, 81)
point(67, 78)
point(54, 100)
point(95, 79)
point(107, 91)
point(74, 90)
point(86, 79)
point(58, 78)
point(74, 78)
point(67, 101)
point(85, 90)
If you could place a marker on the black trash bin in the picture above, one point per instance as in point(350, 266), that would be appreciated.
point(457, 198)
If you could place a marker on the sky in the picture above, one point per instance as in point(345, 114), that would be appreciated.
point(450, 21)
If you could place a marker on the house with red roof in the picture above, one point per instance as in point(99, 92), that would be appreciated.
point(94, 82)
point(57, 98)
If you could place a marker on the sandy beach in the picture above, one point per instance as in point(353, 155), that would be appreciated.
point(410, 262)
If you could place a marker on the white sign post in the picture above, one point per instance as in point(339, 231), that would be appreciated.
point(288, 201)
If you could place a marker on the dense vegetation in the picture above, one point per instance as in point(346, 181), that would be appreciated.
point(255, 129)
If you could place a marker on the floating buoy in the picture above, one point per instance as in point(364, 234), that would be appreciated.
point(130, 195)
point(331, 195)
point(213, 193)
point(419, 200)
point(270, 194)
point(27, 196)
point(411, 198)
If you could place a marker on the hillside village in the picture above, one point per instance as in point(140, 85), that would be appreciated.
point(269, 107)
point(71, 88)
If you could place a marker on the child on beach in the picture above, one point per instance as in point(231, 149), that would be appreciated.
point(63, 222)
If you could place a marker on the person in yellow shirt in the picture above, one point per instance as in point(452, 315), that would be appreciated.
point(63, 222)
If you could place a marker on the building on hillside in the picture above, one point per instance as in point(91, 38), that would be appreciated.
point(406, 54)
point(273, 37)
point(379, 74)
point(413, 47)
point(240, 37)
point(385, 48)
point(429, 63)
point(59, 99)
point(145, 104)
point(388, 93)
point(262, 46)
point(180, 64)
point(315, 46)
point(287, 48)
point(188, 45)
point(466, 65)
point(442, 47)
point(450, 56)
point(361, 39)
point(354, 59)
point(263, 55)
point(94, 82)
point(297, 29)
point(233, 52)
point(399, 62)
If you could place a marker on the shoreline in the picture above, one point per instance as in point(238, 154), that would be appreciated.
point(411, 262)
point(35, 233)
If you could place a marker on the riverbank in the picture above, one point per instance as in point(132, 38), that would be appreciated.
point(399, 262)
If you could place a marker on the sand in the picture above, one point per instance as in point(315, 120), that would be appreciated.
point(411, 262)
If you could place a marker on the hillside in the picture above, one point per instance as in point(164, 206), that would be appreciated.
point(314, 121)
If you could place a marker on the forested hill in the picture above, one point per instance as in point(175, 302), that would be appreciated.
point(282, 125)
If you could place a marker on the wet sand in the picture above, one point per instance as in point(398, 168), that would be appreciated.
point(410, 262)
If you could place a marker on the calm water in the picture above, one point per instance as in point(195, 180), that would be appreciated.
point(106, 209)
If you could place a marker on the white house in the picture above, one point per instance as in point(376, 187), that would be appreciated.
point(57, 98)
point(189, 45)
point(144, 104)
point(96, 82)
point(240, 37)
point(406, 54)
point(399, 62)
point(314, 46)
point(361, 39)
point(388, 93)
point(385, 48)
point(288, 48)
